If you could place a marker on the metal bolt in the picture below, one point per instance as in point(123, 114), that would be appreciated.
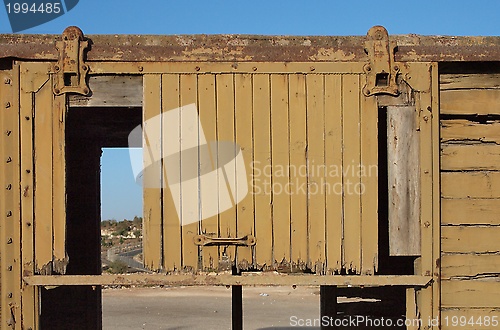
point(28, 171)
point(9, 187)
point(9, 295)
point(368, 68)
point(197, 68)
point(28, 224)
point(86, 90)
point(57, 68)
point(426, 118)
point(8, 133)
point(427, 224)
point(254, 68)
point(27, 118)
point(429, 108)
point(9, 213)
point(141, 68)
point(368, 91)
point(9, 241)
point(312, 68)
point(7, 104)
point(396, 68)
point(57, 91)
point(84, 67)
point(9, 268)
point(6, 81)
point(9, 160)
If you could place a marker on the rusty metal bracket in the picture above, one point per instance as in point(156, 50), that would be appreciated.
point(71, 69)
point(204, 240)
point(382, 71)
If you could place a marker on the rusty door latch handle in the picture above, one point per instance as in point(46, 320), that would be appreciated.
point(203, 240)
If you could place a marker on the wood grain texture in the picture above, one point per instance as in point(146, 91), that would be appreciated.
point(280, 162)
point(476, 184)
point(225, 132)
point(316, 170)
point(369, 183)
point(470, 157)
point(298, 151)
point(470, 211)
point(472, 293)
point(333, 160)
point(404, 181)
point(111, 91)
point(152, 230)
point(466, 131)
point(207, 105)
point(469, 81)
point(469, 265)
point(190, 195)
point(470, 239)
point(43, 124)
point(244, 138)
point(350, 162)
point(170, 140)
point(260, 169)
point(470, 102)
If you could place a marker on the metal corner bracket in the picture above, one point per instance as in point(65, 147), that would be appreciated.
point(381, 71)
point(70, 71)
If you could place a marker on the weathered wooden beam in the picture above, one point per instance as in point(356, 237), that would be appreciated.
point(404, 181)
point(111, 91)
point(227, 279)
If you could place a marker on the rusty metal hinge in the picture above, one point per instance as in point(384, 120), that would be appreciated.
point(205, 240)
point(382, 71)
point(71, 69)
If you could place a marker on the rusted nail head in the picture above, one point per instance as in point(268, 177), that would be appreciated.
point(6, 80)
point(7, 104)
point(86, 90)
point(254, 68)
point(312, 68)
point(9, 295)
point(57, 91)
point(9, 268)
point(197, 68)
point(57, 68)
point(140, 68)
point(84, 67)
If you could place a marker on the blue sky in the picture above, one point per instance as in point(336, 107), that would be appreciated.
point(121, 197)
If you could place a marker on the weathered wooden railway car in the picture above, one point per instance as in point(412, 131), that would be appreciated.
point(333, 161)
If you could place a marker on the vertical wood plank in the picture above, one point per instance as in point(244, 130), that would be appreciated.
point(244, 138)
point(25, 233)
point(280, 161)
point(436, 190)
point(152, 178)
point(261, 169)
point(333, 161)
point(316, 170)
point(225, 132)
point(59, 183)
point(351, 179)
point(404, 181)
point(189, 191)
point(43, 110)
point(208, 117)
point(423, 105)
point(170, 141)
point(298, 175)
point(369, 185)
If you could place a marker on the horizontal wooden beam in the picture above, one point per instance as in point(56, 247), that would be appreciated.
point(227, 279)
